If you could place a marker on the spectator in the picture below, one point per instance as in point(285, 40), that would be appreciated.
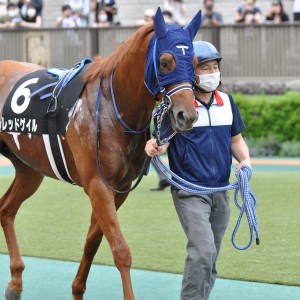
point(177, 9)
point(148, 17)
point(38, 4)
point(168, 16)
point(110, 7)
point(210, 17)
point(82, 9)
point(296, 10)
point(101, 20)
point(276, 13)
point(31, 18)
point(3, 12)
point(248, 14)
point(68, 19)
point(9, 15)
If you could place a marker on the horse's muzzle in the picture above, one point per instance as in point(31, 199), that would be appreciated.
point(183, 121)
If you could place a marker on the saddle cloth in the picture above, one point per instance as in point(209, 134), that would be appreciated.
point(26, 107)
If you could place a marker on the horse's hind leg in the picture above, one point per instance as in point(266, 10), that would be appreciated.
point(25, 183)
point(93, 240)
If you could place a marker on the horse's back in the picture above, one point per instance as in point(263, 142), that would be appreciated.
point(10, 72)
point(16, 67)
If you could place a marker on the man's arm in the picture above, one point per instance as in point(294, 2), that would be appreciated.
point(240, 151)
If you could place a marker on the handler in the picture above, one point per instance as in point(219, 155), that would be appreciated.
point(203, 156)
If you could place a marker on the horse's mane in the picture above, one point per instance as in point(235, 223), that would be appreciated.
point(102, 67)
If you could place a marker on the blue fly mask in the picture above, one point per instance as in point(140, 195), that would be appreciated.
point(177, 41)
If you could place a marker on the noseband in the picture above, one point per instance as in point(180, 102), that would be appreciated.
point(163, 108)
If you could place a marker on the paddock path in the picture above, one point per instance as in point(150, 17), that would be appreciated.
point(104, 283)
point(256, 161)
point(276, 161)
point(4, 161)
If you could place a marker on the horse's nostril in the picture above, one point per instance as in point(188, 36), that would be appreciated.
point(181, 116)
point(185, 121)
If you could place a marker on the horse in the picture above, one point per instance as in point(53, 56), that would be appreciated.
point(156, 62)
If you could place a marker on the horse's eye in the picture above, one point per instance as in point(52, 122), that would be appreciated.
point(164, 66)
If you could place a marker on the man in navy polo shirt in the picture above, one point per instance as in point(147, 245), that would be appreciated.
point(203, 156)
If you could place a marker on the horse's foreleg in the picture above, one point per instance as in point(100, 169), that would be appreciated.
point(92, 243)
point(24, 185)
point(105, 212)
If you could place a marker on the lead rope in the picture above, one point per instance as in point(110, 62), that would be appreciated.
point(248, 205)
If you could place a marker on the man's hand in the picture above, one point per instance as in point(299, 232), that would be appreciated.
point(152, 149)
point(242, 163)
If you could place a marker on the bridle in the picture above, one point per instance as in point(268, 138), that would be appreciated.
point(166, 102)
point(162, 110)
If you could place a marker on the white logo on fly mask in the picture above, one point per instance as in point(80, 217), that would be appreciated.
point(182, 48)
point(22, 91)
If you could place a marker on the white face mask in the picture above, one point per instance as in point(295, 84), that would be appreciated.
point(13, 13)
point(209, 82)
point(102, 18)
point(31, 12)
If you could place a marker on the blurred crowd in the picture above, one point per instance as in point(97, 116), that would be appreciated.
point(101, 13)
point(25, 13)
point(74, 13)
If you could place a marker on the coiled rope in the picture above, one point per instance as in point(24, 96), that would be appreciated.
point(248, 205)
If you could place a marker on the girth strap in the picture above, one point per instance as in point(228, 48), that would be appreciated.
point(53, 114)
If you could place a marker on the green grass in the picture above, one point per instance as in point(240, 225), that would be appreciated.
point(54, 223)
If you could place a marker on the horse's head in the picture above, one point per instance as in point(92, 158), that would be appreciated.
point(170, 69)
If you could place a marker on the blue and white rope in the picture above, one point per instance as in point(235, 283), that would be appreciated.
point(248, 205)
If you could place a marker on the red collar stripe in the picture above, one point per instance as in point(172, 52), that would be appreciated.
point(218, 98)
point(196, 103)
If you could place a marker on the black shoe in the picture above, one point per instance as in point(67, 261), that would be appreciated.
point(158, 188)
point(164, 183)
point(161, 186)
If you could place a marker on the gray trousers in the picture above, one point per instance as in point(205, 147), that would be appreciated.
point(204, 219)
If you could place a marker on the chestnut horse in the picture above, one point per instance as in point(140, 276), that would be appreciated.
point(166, 53)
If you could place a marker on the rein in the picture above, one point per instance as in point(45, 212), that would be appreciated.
point(248, 205)
point(128, 129)
point(147, 161)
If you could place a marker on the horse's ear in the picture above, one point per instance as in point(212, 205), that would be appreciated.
point(194, 25)
point(160, 27)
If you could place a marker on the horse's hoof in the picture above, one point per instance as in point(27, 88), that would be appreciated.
point(10, 294)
